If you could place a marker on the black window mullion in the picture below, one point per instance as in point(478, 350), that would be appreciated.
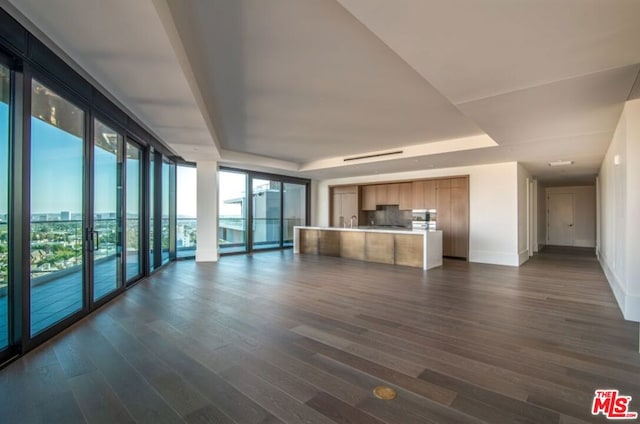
point(88, 223)
point(19, 217)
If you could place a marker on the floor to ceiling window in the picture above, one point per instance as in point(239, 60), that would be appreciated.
point(107, 210)
point(266, 210)
point(186, 206)
point(57, 158)
point(74, 195)
point(152, 210)
point(133, 206)
point(232, 211)
point(4, 207)
point(271, 204)
point(166, 208)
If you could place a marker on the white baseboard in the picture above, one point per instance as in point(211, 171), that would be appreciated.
point(495, 258)
point(629, 304)
point(523, 256)
point(632, 308)
point(207, 255)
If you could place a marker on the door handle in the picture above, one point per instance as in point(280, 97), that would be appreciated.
point(570, 225)
point(93, 240)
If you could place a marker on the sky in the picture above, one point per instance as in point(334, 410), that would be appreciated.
point(186, 186)
point(57, 174)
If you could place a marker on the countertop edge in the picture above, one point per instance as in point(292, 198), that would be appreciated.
point(366, 230)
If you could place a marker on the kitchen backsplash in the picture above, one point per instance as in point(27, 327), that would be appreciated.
point(388, 215)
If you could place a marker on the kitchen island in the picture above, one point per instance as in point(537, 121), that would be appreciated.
point(421, 249)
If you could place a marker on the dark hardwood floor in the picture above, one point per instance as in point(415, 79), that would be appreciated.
point(283, 338)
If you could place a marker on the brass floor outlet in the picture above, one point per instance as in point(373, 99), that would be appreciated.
point(384, 393)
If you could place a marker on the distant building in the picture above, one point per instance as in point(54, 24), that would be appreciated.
point(65, 216)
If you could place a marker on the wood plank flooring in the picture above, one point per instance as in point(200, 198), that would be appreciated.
point(282, 338)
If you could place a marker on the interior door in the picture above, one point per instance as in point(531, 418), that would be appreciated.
point(560, 228)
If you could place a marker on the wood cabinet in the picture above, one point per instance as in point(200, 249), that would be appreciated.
point(423, 194)
point(448, 196)
point(393, 194)
point(344, 205)
point(369, 198)
point(452, 208)
point(429, 195)
point(459, 217)
point(443, 215)
point(417, 195)
point(381, 194)
point(405, 202)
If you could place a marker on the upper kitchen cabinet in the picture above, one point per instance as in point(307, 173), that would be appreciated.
point(423, 194)
point(393, 194)
point(381, 194)
point(417, 195)
point(429, 194)
point(386, 194)
point(344, 205)
point(369, 197)
point(405, 201)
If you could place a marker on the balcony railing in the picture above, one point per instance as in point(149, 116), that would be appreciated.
point(186, 239)
point(232, 232)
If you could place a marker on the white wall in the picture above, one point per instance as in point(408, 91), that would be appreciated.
point(619, 250)
point(493, 207)
point(523, 210)
point(584, 213)
point(207, 225)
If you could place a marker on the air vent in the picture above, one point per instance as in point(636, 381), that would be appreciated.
point(396, 152)
point(561, 163)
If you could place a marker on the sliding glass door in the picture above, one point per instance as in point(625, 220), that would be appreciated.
point(107, 210)
point(272, 204)
point(57, 208)
point(132, 222)
point(266, 210)
point(294, 205)
point(4, 207)
point(166, 207)
point(232, 212)
point(186, 206)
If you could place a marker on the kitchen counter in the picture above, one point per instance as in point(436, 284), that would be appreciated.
point(398, 246)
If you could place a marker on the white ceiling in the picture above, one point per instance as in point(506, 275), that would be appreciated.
point(297, 86)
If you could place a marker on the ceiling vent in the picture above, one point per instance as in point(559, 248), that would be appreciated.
point(377, 155)
point(561, 163)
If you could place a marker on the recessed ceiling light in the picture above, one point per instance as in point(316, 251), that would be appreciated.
point(561, 163)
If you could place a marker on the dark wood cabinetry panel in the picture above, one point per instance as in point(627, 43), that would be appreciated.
point(443, 210)
point(309, 241)
point(329, 243)
point(452, 208)
point(459, 223)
